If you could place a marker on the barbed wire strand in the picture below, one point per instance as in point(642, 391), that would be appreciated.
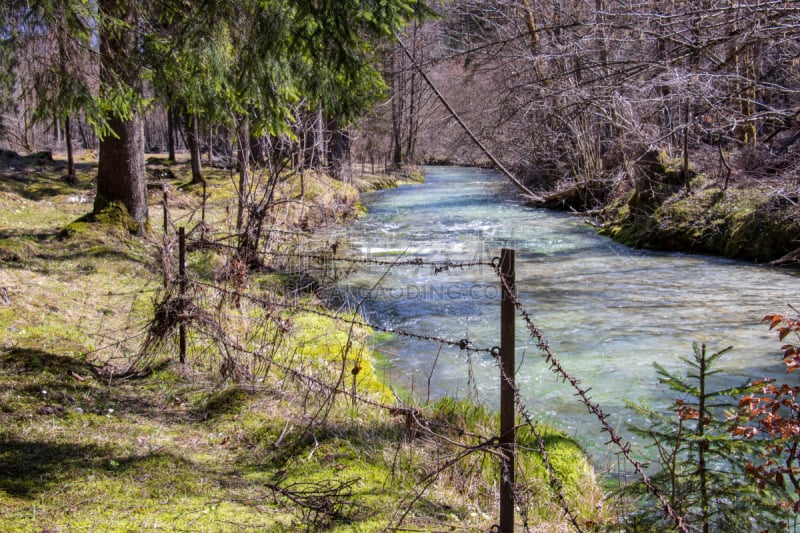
point(536, 334)
point(593, 407)
point(413, 414)
point(555, 481)
point(463, 344)
point(410, 411)
point(326, 257)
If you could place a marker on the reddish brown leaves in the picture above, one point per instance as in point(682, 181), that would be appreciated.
point(686, 412)
point(787, 324)
point(773, 413)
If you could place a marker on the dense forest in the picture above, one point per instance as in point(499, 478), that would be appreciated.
point(167, 359)
point(661, 119)
point(655, 116)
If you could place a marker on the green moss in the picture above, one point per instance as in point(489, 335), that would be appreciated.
point(115, 214)
point(188, 447)
point(15, 250)
point(80, 226)
point(564, 455)
point(228, 400)
point(205, 264)
point(332, 346)
point(738, 223)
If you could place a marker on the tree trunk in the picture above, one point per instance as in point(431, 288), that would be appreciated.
point(320, 139)
point(193, 135)
point(70, 158)
point(82, 133)
point(397, 97)
point(258, 154)
point(58, 133)
point(171, 133)
point(120, 170)
point(412, 111)
point(307, 140)
point(338, 149)
point(210, 144)
point(243, 154)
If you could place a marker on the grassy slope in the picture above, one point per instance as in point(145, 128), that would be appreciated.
point(181, 448)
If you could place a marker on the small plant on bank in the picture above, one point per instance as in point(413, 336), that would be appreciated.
point(770, 415)
point(700, 460)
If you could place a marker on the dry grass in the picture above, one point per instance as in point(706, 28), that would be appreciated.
point(232, 440)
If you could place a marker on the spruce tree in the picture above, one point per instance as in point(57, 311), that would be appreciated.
point(700, 464)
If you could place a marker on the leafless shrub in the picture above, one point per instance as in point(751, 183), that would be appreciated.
point(322, 503)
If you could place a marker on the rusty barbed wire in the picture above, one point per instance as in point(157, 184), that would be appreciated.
point(131, 293)
point(300, 376)
point(324, 257)
point(555, 481)
point(462, 344)
point(438, 266)
point(583, 394)
point(411, 413)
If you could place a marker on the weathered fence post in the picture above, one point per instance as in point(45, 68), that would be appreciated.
point(203, 211)
point(182, 289)
point(165, 205)
point(507, 409)
point(164, 202)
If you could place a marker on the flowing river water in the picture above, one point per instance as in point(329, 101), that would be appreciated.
point(609, 312)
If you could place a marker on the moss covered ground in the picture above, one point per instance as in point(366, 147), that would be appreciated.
point(752, 221)
point(230, 440)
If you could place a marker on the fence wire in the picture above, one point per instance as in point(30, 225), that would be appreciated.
point(463, 344)
point(412, 413)
point(329, 256)
point(592, 406)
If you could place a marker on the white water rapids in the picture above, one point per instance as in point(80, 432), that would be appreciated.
point(607, 311)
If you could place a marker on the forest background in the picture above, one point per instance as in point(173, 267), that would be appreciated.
point(675, 123)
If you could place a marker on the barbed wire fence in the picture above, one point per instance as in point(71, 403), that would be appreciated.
point(206, 307)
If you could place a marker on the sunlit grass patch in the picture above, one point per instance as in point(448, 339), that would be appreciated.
point(278, 420)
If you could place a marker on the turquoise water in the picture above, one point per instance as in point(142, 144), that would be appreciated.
point(607, 311)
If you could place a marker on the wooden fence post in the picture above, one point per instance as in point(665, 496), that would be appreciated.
point(165, 205)
point(507, 407)
point(203, 212)
point(182, 291)
point(166, 208)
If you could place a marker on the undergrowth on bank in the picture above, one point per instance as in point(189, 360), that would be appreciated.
point(259, 428)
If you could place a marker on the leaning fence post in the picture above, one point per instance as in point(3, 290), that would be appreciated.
point(507, 409)
point(182, 289)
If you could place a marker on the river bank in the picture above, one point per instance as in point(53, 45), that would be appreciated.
point(755, 220)
point(609, 310)
point(270, 416)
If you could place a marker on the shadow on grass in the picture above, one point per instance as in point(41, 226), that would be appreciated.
point(71, 387)
point(25, 360)
point(38, 177)
point(43, 184)
point(29, 468)
point(22, 249)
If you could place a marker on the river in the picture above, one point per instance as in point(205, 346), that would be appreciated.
point(609, 312)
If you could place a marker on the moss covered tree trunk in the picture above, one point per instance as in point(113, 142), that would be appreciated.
point(121, 172)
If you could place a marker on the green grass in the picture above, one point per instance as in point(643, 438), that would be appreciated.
point(230, 440)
